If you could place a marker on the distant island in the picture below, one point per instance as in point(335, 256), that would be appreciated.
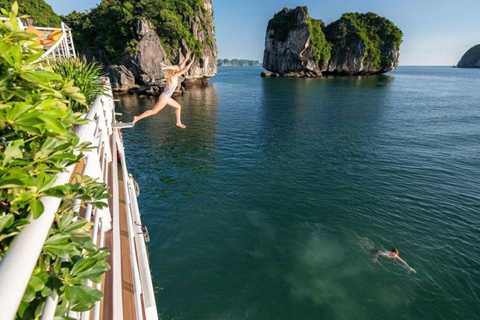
point(238, 62)
point(297, 45)
point(471, 58)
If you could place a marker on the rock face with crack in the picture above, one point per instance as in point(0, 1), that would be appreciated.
point(297, 45)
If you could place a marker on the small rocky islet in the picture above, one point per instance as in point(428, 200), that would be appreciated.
point(471, 58)
point(297, 45)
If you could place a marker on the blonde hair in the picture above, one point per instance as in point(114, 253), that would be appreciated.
point(169, 71)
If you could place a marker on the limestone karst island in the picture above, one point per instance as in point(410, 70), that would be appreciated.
point(297, 45)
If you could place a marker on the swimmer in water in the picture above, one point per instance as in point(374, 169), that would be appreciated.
point(393, 254)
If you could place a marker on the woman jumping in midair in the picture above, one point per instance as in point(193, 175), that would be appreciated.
point(171, 74)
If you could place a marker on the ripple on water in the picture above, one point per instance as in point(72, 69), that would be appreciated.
point(268, 205)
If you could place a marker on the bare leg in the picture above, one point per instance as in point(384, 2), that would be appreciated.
point(178, 112)
point(162, 102)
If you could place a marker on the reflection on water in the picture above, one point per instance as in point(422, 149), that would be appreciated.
point(164, 154)
point(267, 205)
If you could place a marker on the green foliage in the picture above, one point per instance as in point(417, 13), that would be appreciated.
point(41, 12)
point(110, 26)
point(86, 77)
point(321, 49)
point(37, 143)
point(376, 35)
point(375, 32)
point(283, 22)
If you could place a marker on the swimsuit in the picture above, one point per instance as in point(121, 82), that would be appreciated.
point(170, 89)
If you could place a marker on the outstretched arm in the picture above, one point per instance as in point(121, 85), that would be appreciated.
point(182, 65)
point(186, 68)
point(405, 263)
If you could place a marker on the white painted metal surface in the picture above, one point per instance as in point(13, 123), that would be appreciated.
point(63, 48)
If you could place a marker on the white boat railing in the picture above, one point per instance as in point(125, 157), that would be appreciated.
point(17, 265)
point(20, 23)
point(143, 287)
point(63, 48)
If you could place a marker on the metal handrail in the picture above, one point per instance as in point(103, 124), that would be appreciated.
point(117, 300)
point(137, 286)
point(144, 268)
point(63, 48)
point(20, 23)
point(61, 45)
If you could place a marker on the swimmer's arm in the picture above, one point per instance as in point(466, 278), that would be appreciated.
point(405, 263)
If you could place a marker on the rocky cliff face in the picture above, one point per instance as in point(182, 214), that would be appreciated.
point(144, 66)
point(142, 70)
point(297, 45)
point(287, 44)
point(471, 59)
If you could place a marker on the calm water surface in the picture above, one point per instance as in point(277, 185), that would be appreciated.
point(266, 207)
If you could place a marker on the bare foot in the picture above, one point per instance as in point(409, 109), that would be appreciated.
point(134, 120)
point(180, 125)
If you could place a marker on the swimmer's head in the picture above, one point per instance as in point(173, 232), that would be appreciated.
point(394, 253)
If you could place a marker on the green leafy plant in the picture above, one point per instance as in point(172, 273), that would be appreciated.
point(375, 32)
point(37, 143)
point(110, 26)
point(86, 77)
point(40, 11)
point(321, 49)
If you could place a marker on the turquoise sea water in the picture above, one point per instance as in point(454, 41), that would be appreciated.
point(266, 207)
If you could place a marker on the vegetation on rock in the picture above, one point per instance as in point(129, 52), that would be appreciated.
point(37, 143)
point(110, 27)
point(374, 31)
point(354, 36)
point(321, 49)
point(41, 12)
point(284, 22)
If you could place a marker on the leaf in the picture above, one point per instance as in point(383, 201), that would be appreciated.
point(82, 298)
point(13, 151)
point(40, 76)
point(29, 294)
point(53, 124)
point(36, 283)
point(59, 245)
point(16, 54)
point(15, 8)
point(36, 206)
point(6, 221)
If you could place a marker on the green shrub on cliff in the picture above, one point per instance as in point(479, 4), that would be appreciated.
point(283, 22)
point(321, 49)
point(41, 12)
point(110, 26)
point(376, 32)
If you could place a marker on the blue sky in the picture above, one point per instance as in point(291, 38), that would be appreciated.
point(436, 32)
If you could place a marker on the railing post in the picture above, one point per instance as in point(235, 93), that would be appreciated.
point(117, 301)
